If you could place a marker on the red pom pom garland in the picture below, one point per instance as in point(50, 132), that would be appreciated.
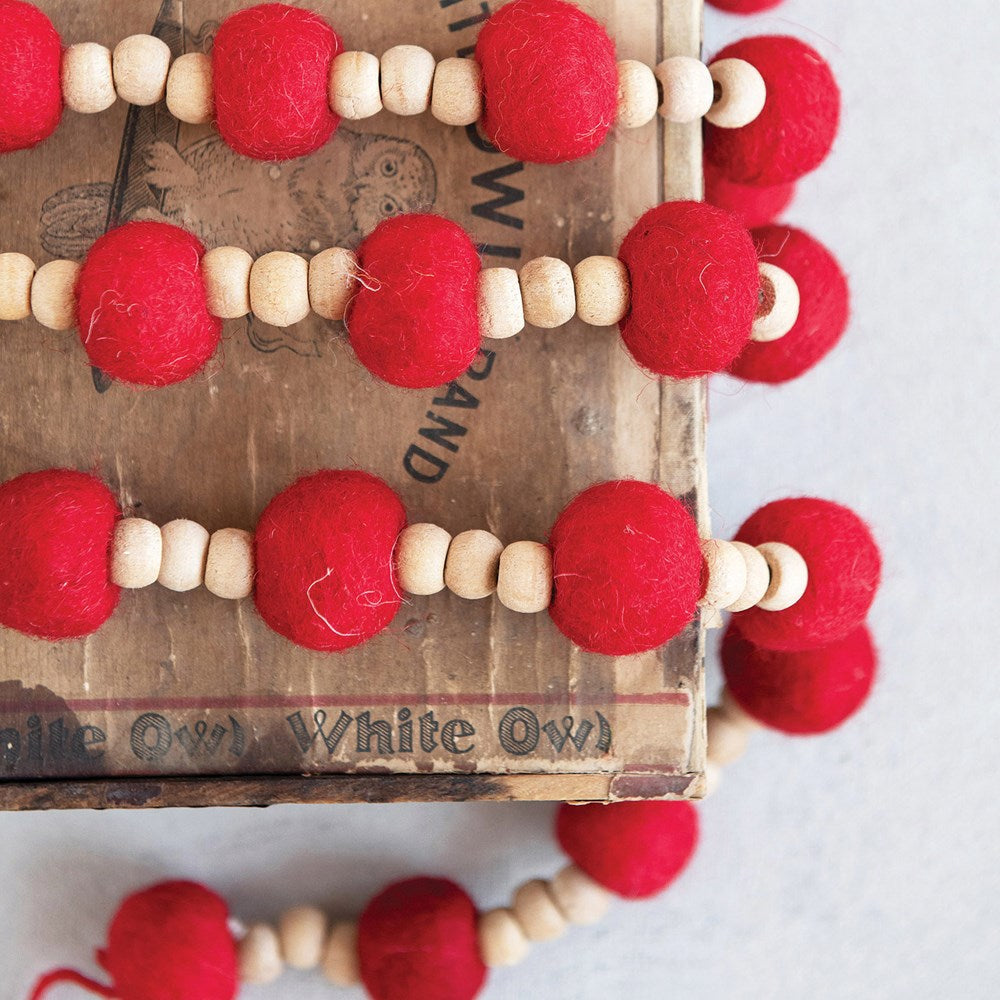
point(745, 6)
point(754, 206)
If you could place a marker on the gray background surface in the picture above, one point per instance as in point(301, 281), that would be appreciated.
point(858, 865)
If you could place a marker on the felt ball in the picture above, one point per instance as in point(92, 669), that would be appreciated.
point(324, 557)
point(30, 87)
point(845, 567)
point(744, 6)
point(795, 131)
point(56, 530)
point(753, 206)
point(418, 940)
point(141, 306)
point(550, 81)
point(626, 566)
point(824, 307)
point(801, 691)
point(633, 849)
point(271, 73)
point(414, 322)
point(695, 289)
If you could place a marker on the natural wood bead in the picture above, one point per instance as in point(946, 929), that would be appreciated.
point(524, 581)
point(735, 713)
point(141, 64)
point(537, 913)
point(421, 552)
point(229, 566)
point(501, 309)
point(688, 89)
point(778, 308)
point(502, 941)
point(302, 933)
point(713, 777)
point(758, 578)
point(740, 93)
point(789, 576)
point(185, 551)
point(136, 553)
point(638, 94)
point(259, 956)
point(603, 290)
point(279, 288)
point(548, 292)
point(189, 89)
point(88, 83)
point(340, 959)
point(16, 274)
point(226, 271)
point(457, 92)
point(727, 740)
point(580, 899)
point(727, 573)
point(52, 301)
point(354, 85)
point(407, 79)
point(332, 282)
point(473, 564)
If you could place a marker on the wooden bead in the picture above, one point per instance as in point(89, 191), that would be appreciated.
point(457, 92)
point(502, 941)
point(407, 79)
point(226, 271)
point(548, 292)
point(758, 578)
point(473, 564)
point(713, 777)
point(501, 310)
point(332, 282)
point(16, 274)
point(603, 290)
point(638, 94)
point(302, 933)
point(421, 552)
point(88, 83)
point(52, 301)
point(279, 288)
point(190, 95)
point(537, 913)
point(727, 573)
point(735, 713)
point(259, 956)
point(789, 576)
point(524, 581)
point(688, 89)
point(136, 553)
point(229, 566)
point(140, 65)
point(727, 740)
point(340, 959)
point(185, 551)
point(354, 85)
point(580, 899)
point(740, 93)
point(779, 304)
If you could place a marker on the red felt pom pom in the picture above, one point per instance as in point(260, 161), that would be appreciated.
point(417, 940)
point(695, 289)
point(744, 6)
point(325, 575)
point(271, 73)
point(823, 310)
point(415, 321)
point(627, 568)
point(141, 307)
point(634, 849)
point(56, 529)
point(753, 206)
point(30, 88)
point(169, 941)
point(845, 567)
point(796, 129)
point(801, 691)
point(550, 81)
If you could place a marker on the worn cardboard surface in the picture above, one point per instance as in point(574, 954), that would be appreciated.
point(456, 699)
